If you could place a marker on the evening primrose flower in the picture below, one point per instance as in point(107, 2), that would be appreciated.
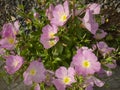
point(89, 22)
point(36, 15)
point(37, 87)
point(34, 73)
point(49, 12)
point(49, 77)
point(8, 42)
point(112, 65)
point(108, 72)
point(95, 8)
point(104, 73)
point(8, 34)
point(16, 25)
point(64, 77)
point(2, 51)
point(13, 63)
point(7, 30)
point(10, 29)
point(48, 37)
point(60, 14)
point(104, 49)
point(85, 62)
point(90, 81)
point(100, 34)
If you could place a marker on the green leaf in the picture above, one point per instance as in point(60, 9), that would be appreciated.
point(56, 60)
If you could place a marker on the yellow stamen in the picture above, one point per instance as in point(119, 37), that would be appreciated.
point(15, 63)
point(86, 64)
point(107, 20)
point(32, 72)
point(66, 80)
point(52, 42)
point(63, 18)
point(11, 40)
point(51, 35)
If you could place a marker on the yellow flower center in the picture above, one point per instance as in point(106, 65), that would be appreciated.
point(107, 20)
point(52, 42)
point(63, 18)
point(86, 64)
point(14, 32)
point(32, 72)
point(47, 77)
point(66, 80)
point(15, 63)
point(51, 35)
point(11, 40)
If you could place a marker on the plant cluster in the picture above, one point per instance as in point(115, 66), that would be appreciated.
point(61, 48)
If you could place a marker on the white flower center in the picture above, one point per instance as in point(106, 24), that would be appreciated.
point(15, 63)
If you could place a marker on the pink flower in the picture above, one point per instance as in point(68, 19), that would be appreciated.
point(94, 47)
point(103, 73)
point(64, 77)
point(9, 35)
point(91, 80)
point(95, 8)
point(100, 34)
point(108, 72)
point(49, 77)
point(16, 27)
point(37, 87)
point(36, 15)
point(89, 22)
point(89, 87)
point(112, 65)
point(34, 73)
point(60, 14)
point(85, 62)
point(2, 51)
point(48, 37)
point(104, 49)
point(49, 12)
point(13, 63)
point(10, 29)
point(8, 42)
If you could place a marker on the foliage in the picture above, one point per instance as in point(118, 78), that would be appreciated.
point(74, 34)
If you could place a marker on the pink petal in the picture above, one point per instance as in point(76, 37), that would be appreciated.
point(61, 72)
point(89, 87)
point(66, 7)
point(98, 82)
point(27, 79)
point(58, 84)
point(37, 87)
point(95, 8)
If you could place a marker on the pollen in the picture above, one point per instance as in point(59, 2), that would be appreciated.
point(86, 64)
point(66, 80)
point(11, 40)
point(52, 42)
point(51, 35)
point(15, 63)
point(107, 20)
point(63, 18)
point(32, 72)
